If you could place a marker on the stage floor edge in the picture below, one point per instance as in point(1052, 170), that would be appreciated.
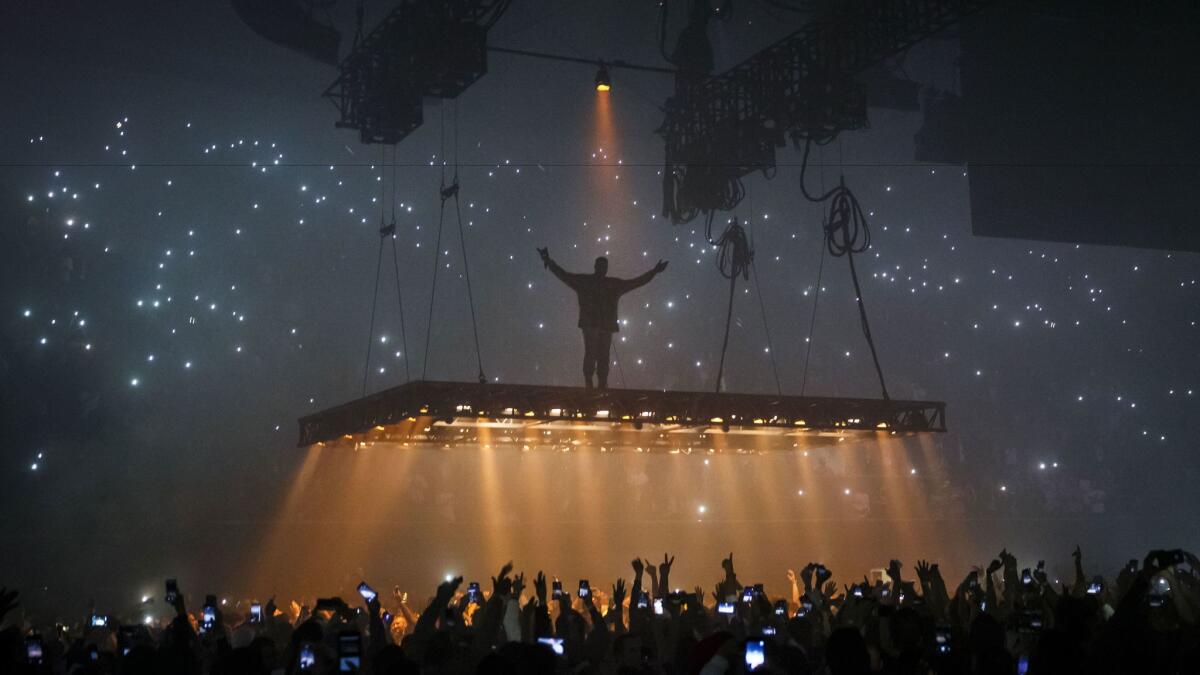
point(448, 402)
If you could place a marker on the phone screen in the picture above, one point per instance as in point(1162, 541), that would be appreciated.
point(725, 608)
point(942, 638)
point(308, 657)
point(555, 644)
point(209, 618)
point(768, 630)
point(172, 591)
point(557, 589)
point(349, 652)
point(473, 594)
point(366, 592)
point(99, 621)
point(33, 649)
point(658, 606)
point(643, 600)
point(756, 654)
point(256, 615)
point(585, 588)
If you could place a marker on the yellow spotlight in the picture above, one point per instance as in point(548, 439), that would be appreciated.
point(603, 80)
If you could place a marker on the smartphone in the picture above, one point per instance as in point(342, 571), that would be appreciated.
point(308, 657)
point(585, 589)
point(556, 591)
point(256, 615)
point(474, 596)
point(208, 617)
point(1132, 566)
point(756, 654)
point(99, 621)
point(941, 637)
point(658, 606)
point(1094, 588)
point(856, 590)
point(1026, 576)
point(556, 644)
point(725, 608)
point(367, 592)
point(172, 591)
point(781, 608)
point(643, 600)
point(93, 653)
point(125, 637)
point(349, 652)
point(34, 653)
point(768, 630)
point(1022, 664)
point(748, 594)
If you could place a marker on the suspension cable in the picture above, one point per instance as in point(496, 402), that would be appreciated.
point(375, 293)
point(396, 266)
point(846, 233)
point(734, 258)
point(762, 306)
point(437, 247)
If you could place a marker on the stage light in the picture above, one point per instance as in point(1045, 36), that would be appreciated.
point(603, 80)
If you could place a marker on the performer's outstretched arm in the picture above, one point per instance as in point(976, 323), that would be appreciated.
point(643, 279)
point(563, 275)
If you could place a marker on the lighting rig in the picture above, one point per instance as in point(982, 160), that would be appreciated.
point(719, 128)
point(420, 49)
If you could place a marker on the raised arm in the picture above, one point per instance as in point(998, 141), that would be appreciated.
point(643, 279)
point(563, 275)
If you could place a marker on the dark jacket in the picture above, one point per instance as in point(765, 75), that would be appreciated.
point(598, 296)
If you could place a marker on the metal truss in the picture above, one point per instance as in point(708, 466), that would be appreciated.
point(801, 87)
point(419, 49)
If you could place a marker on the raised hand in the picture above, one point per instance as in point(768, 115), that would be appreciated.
point(662, 265)
point(806, 575)
point(502, 584)
point(618, 594)
point(518, 585)
point(539, 587)
point(893, 570)
point(699, 591)
point(791, 576)
point(993, 566)
point(664, 571)
point(727, 565)
point(823, 575)
point(637, 566)
point(544, 252)
point(922, 569)
point(447, 589)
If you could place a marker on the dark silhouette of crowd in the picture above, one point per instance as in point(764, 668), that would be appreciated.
point(998, 620)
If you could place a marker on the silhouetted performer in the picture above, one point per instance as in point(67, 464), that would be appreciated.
point(598, 295)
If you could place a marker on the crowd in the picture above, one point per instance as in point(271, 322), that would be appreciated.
point(998, 620)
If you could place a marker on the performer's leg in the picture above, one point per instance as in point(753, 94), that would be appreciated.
point(603, 346)
point(589, 357)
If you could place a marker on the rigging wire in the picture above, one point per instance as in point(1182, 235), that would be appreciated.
point(396, 267)
point(375, 293)
point(734, 258)
point(846, 233)
point(448, 192)
point(762, 305)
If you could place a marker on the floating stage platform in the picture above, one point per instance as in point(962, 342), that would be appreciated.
point(528, 417)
